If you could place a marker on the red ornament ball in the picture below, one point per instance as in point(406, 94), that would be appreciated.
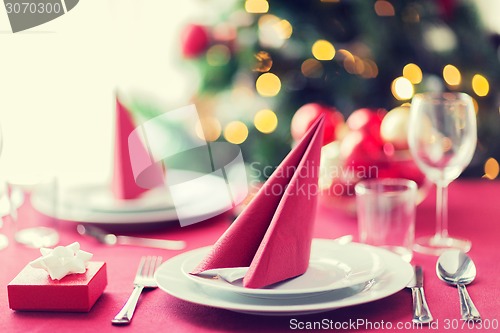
point(361, 150)
point(368, 121)
point(194, 40)
point(307, 114)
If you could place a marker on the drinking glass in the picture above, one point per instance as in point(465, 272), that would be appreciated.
point(386, 214)
point(442, 137)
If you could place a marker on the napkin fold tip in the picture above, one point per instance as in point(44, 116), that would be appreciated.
point(123, 185)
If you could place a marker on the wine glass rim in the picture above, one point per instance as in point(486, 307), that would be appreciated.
point(444, 96)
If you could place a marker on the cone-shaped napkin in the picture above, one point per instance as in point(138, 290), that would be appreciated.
point(273, 234)
point(123, 183)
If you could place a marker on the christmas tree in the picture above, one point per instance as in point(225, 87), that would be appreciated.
point(263, 60)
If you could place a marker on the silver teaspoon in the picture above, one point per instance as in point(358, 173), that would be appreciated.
point(457, 268)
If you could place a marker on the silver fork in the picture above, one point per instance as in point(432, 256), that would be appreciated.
point(144, 278)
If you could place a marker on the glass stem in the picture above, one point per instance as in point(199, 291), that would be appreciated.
point(441, 211)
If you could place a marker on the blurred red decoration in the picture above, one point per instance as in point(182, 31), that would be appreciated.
point(195, 40)
point(447, 8)
point(367, 121)
point(364, 154)
point(308, 113)
point(360, 149)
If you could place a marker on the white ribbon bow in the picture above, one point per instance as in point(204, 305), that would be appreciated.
point(63, 260)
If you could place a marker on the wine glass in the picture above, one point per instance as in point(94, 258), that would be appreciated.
point(13, 203)
point(32, 228)
point(442, 137)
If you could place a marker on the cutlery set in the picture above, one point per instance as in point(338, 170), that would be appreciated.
point(455, 268)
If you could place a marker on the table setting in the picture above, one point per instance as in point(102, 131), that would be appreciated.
point(286, 262)
point(334, 168)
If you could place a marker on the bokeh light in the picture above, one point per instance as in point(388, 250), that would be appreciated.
point(349, 61)
point(265, 121)
point(452, 75)
point(476, 105)
point(208, 128)
point(359, 65)
point(268, 85)
point(273, 31)
point(268, 19)
point(323, 50)
point(491, 168)
point(284, 29)
point(402, 89)
point(413, 73)
point(346, 54)
point(218, 55)
point(256, 6)
point(366, 68)
point(264, 62)
point(236, 132)
point(312, 68)
point(384, 8)
point(480, 85)
point(371, 69)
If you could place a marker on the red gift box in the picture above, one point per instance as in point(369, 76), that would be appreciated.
point(33, 290)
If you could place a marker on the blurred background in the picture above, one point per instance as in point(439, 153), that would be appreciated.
point(249, 66)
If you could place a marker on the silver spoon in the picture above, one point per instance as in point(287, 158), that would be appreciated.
point(456, 268)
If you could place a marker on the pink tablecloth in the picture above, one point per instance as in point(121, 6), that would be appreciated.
point(474, 213)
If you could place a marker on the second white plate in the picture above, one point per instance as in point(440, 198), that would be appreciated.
point(81, 207)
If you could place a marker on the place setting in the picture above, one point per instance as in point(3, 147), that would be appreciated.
point(272, 166)
point(122, 201)
point(268, 262)
point(40, 204)
point(289, 273)
point(228, 275)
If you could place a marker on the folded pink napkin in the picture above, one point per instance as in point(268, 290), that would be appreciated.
point(273, 234)
point(123, 183)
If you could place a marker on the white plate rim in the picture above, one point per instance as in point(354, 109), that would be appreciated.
point(318, 246)
point(111, 217)
point(397, 269)
point(123, 206)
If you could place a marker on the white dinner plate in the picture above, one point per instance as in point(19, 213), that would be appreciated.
point(100, 198)
point(81, 206)
point(331, 267)
point(173, 281)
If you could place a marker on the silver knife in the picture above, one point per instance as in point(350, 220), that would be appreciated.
point(112, 239)
point(421, 312)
